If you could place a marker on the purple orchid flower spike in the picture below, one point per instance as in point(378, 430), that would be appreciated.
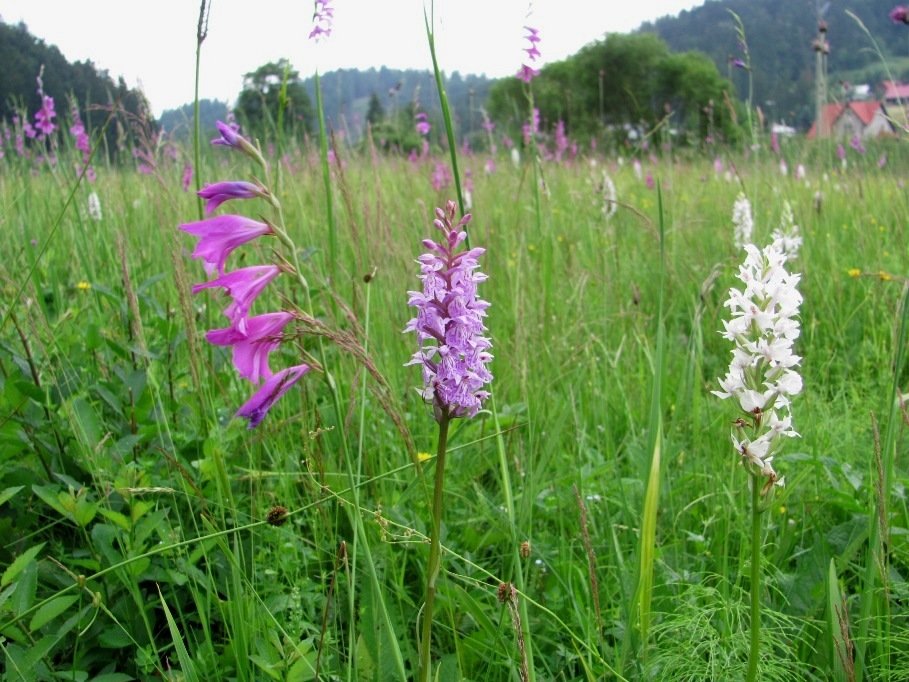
point(243, 286)
point(251, 349)
point(274, 387)
point(220, 235)
point(900, 14)
point(453, 352)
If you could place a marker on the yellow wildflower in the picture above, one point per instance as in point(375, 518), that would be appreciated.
point(423, 457)
point(83, 285)
point(885, 276)
point(854, 272)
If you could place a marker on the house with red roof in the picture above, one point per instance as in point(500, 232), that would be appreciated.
point(896, 94)
point(853, 119)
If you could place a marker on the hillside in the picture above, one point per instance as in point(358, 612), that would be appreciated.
point(779, 34)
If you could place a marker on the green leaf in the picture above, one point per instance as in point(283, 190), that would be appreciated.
point(51, 610)
point(48, 495)
point(186, 663)
point(115, 516)
point(113, 677)
point(20, 562)
point(9, 493)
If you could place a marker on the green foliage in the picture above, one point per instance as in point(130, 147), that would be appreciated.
point(274, 95)
point(780, 33)
point(624, 80)
point(120, 475)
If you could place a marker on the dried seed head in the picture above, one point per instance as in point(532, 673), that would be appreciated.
point(277, 515)
point(525, 549)
point(507, 593)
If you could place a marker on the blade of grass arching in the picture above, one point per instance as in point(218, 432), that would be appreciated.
point(876, 559)
point(446, 113)
point(640, 611)
point(186, 663)
point(326, 181)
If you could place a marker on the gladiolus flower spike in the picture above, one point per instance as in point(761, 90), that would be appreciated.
point(449, 326)
point(252, 338)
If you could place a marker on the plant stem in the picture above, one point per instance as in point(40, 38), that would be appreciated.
point(435, 553)
point(755, 652)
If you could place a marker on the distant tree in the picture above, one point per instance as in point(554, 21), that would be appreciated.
point(374, 112)
point(80, 84)
point(273, 94)
point(179, 122)
point(624, 79)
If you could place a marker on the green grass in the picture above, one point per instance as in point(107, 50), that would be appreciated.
point(144, 503)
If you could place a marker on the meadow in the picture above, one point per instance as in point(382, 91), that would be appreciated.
point(597, 521)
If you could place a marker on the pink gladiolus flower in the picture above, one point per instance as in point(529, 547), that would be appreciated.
point(45, 115)
point(243, 286)
point(423, 126)
point(274, 387)
point(251, 349)
point(220, 235)
point(322, 19)
point(229, 136)
point(219, 192)
point(187, 178)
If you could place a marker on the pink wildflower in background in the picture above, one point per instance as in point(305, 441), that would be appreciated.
point(856, 144)
point(441, 176)
point(322, 19)
point(527, 73)
point(900, 14)
point(649, 181)
point(187, 179)
point(422, 124)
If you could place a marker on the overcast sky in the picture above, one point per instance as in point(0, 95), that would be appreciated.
point(153, 43)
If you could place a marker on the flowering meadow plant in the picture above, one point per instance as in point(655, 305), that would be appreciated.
point(763, 376)
point(454, 353)
point(251, 338)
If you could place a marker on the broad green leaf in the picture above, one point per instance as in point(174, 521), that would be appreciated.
point(51, 610)
point(19, 563)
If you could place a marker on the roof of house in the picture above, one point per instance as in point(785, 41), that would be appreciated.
point(894, 90)
point(831, 112)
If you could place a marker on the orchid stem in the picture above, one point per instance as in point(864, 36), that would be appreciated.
point(755, 652)
point(435, 554)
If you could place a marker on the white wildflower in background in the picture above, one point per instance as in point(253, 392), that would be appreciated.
point(742, 222)
point(609, 196)
point(786, 237)
point(763, 375)
point(515, 157)
point(94, 206)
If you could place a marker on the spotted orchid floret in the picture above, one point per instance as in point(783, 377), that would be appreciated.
point(449, 324)
point(763, 375)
